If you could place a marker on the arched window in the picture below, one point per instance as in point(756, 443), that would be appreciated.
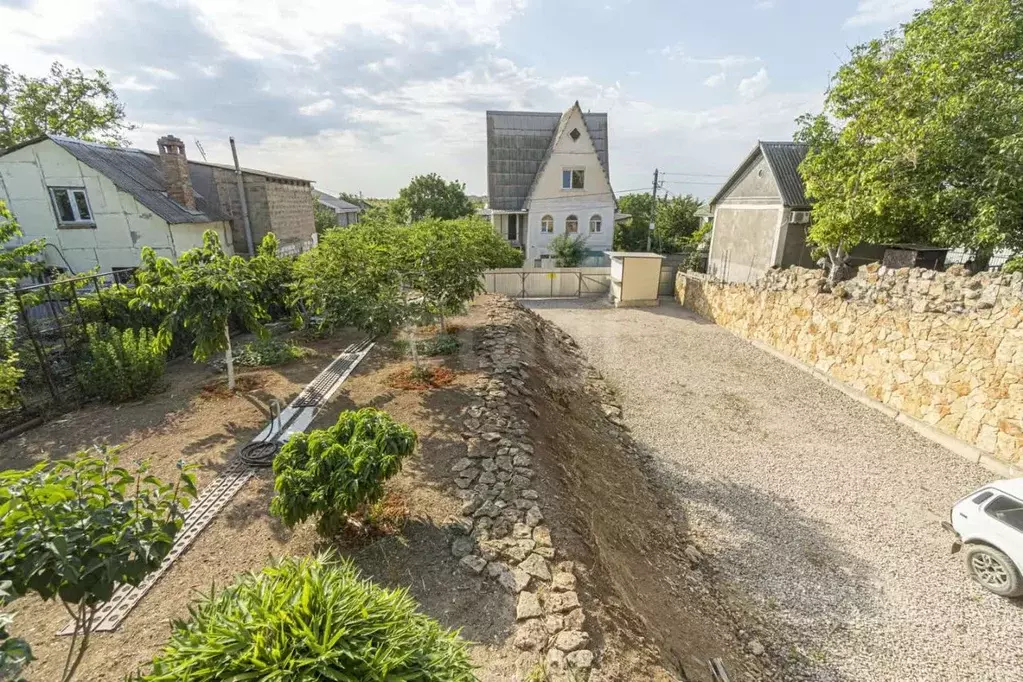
point(571, 224)
point(595, 224)
point(547, 224)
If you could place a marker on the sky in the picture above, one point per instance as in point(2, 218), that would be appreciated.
point(361, 95)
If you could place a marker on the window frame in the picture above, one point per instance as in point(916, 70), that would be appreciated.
point(600, 223)
point(75, 208)
point(570, 175)
point(1000, 496)
point(574, 218)
point(547, 220)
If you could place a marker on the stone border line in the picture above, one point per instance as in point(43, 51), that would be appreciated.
point(503, 534)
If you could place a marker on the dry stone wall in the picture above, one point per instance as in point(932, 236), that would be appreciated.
point(944, 348)
point(504, 532)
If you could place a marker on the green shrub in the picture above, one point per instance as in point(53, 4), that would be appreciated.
point(120, 364)
point(568, 251)
point(267, 352)
point(442, 344)
point(310, 619)
point(1013, 265)
point(74, 530)
point(334, 472)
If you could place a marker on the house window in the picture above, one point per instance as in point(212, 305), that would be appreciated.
point(122, 275)
point(71, 205)
point(572, 179)
point(595, 223)
point(571, 224)
point(547, 224)
point(513, 228)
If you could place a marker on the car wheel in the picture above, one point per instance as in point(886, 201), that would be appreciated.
point(993, 570)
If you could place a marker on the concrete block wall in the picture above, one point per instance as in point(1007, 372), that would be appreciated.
point(943, 348)
point(290, 209)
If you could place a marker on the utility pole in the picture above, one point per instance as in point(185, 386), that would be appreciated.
point(653, 213)
point(245, 203)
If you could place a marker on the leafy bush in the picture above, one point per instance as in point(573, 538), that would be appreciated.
point(76, 529)
point(568, 251)
point(15, 653)
point(1013, 265)
point(120, 364)
point(273, 276)
point(334, 472)
point(267, 352)
point(441, 344)
point(310, 619)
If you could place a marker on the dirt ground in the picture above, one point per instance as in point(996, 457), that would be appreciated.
point(649, 601)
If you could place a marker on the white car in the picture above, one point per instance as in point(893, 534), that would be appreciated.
point(988, 524)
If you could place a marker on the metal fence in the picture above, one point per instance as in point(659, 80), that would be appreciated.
point(962, 256)
point(556, 283)
point(50, 340)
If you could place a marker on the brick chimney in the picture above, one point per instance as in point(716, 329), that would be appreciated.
point(175, 171)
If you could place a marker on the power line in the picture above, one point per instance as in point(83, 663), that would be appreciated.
point(693, 182)
point(700, 175)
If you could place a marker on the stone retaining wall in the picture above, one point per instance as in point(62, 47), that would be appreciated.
point(944, 348)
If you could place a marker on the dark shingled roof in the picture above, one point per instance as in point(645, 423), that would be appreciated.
point(339, 205)
point(783, 158)
point(517, 144)
point(139, 173)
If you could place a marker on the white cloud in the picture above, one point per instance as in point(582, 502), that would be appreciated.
point(322, 106)
point(754, 86)
point(763, 4)
point(716, 80)
point(884, 12)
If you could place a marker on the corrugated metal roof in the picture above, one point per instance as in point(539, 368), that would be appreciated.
point(337, 204)
point(518, 142)
point(783, 158)
point(139, 174)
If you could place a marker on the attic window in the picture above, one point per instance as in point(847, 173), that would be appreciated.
point(575, 134)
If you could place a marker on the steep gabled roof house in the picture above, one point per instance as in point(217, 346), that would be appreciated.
point(548, 174)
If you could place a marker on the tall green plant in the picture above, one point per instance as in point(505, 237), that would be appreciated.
point(15, 653)
point(74, 530)
point(15, 263)
point(273, 276)
point(201, 294)
point(332, 473)
point(312, 619)
point(121, 364)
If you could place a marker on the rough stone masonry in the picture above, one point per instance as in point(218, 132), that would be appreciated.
point(504, 534)
point(943, 347)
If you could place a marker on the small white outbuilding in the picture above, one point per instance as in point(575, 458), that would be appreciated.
point(635, 278)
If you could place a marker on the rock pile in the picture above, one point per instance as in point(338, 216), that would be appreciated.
point(503, 534)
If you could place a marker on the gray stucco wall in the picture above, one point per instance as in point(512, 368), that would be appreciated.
point(743, 245)
point(757, 186)
point(796, 251)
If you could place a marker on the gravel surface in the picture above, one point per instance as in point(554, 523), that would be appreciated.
point(825, 512)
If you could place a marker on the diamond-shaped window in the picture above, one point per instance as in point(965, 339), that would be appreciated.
point(574, 134)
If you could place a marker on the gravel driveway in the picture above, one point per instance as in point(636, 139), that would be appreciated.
point(825, 512)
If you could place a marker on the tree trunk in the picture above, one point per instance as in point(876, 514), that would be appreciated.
point(443, 328)
point(229, 358)
point(838, 269)
point(981, 260)
point(412, 345)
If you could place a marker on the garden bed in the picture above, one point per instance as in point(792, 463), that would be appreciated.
point(635, 583)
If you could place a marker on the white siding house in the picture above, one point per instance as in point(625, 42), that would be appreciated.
point(89, 221)
point(548, 176)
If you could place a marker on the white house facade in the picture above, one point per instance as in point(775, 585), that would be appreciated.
point(548, 176)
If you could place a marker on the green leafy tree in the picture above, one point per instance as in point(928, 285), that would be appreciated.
point(312, 619)
point(323, 217)
point(273, 276)
point(675, 223)
point(568, 251)
point(75, 530)
point(201, 294)
point(64, 102)
point(431, 196)
point(353, 199)
point(920, 137)
point(333, 473)
point(15, 263)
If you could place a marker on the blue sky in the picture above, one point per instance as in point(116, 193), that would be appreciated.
point(360, 96)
